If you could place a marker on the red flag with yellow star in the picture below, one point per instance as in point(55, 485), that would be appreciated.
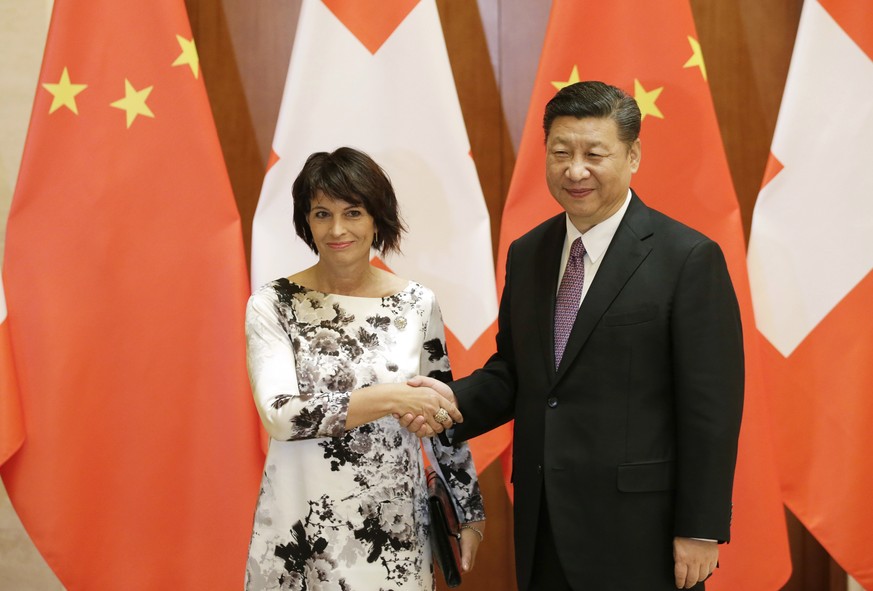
point(651, 51)
point(126, 287)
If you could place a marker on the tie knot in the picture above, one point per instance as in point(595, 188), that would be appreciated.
point(577, 249)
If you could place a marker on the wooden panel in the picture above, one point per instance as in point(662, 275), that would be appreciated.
point(521, 34)
point(747, 47)
point(480, 103)
point(244, 50)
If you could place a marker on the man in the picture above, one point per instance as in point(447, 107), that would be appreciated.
point(620, 358)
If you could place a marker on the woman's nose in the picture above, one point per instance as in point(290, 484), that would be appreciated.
point(337, 227)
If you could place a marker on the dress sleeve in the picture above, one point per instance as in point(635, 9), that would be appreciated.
point(286, 413)
point(456, 462)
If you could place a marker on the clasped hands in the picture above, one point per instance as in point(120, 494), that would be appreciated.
point(426, 423)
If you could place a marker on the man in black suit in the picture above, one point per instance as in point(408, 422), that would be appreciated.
point(621, 361)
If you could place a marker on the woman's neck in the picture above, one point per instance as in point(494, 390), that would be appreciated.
point(354, 280)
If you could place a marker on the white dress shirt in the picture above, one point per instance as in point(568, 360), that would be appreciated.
point(596, 241)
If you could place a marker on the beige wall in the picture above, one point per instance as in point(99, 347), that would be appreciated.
point(23, 27)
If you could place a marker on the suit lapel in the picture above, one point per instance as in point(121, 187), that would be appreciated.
point(625, 253)
point(546, 286)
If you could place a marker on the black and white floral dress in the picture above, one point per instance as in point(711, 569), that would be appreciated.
point(344, 510)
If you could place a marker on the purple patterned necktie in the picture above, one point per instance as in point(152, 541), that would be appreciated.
point(569, 294)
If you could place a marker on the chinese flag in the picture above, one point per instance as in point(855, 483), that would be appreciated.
point(11, 422)
point(650, 50)
point(810, 262)
point(126, 286)
point(375, 75)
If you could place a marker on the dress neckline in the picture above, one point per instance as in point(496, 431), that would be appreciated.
point(405, 288)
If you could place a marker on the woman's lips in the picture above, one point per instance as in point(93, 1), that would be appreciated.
point(339, 245)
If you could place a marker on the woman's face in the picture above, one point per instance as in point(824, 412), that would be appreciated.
point(342, 232)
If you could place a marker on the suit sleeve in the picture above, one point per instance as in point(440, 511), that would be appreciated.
point(486, 397)
point(708, 369)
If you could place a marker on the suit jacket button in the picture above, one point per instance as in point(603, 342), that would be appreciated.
point(552, 402)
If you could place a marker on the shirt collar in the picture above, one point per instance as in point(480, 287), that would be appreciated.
point(597, 238)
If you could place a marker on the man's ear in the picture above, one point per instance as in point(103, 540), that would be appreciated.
point(635, 154)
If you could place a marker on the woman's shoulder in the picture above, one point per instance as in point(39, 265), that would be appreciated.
point(277, 291)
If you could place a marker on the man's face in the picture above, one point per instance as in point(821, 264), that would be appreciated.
point(588, 169)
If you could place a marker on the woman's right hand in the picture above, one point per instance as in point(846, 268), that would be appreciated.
point(423, 401)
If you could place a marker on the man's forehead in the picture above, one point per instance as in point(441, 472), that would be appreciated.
point(571, 128)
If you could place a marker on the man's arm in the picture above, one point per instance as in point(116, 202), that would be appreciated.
point(486, 398)
point(708, 369)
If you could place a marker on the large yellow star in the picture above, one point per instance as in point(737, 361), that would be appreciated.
point(134, 102)
point(188, 56)
point(696, 58)
point(574, 77)
point(64, 93)
point(646, 100)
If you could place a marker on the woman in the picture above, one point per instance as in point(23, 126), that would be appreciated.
point(343, 501)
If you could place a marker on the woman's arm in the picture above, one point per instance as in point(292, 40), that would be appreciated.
point(287, 413)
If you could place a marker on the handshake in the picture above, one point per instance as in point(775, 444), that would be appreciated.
point(434, 411)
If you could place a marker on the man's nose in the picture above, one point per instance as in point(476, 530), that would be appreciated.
point(577, 170)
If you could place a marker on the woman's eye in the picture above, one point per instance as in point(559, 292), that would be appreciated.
point(353, 213)
point(320, 215)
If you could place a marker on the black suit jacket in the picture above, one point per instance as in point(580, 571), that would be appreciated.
point(634, 437)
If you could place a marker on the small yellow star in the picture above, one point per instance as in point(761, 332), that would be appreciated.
point(188, 56)
point(134, 102)
point(64, 93)
point(696, 58)
point(574, 77)
point(646, 100)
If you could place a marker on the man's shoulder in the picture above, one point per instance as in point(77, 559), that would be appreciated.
point(665, 227)
point(549, 228)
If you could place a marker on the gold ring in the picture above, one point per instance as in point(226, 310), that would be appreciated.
point(442, 416)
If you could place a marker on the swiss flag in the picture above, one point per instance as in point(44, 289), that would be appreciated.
point(376, 76)
point(126, 288)
point(650, 49)
point(810, 261)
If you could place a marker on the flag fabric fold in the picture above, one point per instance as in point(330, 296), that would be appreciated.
point(126, 288)
point(379, 79)
point(684, 173)
point(11, 421)
point(810, 261)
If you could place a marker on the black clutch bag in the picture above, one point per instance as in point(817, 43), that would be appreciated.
point(445, 531)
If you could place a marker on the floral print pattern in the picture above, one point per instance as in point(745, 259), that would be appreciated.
point(344, 510)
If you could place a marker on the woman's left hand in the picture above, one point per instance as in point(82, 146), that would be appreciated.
point(470, 541)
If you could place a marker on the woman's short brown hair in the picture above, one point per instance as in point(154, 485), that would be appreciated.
point(351, 176)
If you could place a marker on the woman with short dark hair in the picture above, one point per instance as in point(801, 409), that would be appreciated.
point(343, 501)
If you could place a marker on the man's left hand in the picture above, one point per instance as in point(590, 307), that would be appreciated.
point(694, 560)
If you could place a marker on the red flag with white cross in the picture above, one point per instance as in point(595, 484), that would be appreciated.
point(810, 262)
